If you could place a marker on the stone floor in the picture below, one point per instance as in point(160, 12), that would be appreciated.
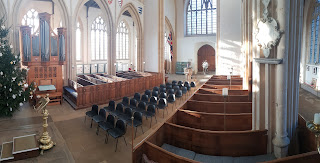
point(309, 104)
point(75, 140)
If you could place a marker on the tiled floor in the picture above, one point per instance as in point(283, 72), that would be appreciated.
point(76, 141)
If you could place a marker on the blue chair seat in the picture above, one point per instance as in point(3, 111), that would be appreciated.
point(115, 132)
point(106, 126)
point(98, 118)
point(148, 114)
point(91, 114)
point(71, 91)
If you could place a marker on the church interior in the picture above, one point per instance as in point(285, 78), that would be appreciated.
point(163, 81)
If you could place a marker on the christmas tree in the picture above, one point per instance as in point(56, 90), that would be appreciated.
point(13, 88)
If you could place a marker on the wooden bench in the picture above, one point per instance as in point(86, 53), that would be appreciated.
point(224, 82)
point(215, 143)
point(232, 87)
point(310, 157)
point(212, 121)
point(219, 91)
point(220, 98)
point(218, 107)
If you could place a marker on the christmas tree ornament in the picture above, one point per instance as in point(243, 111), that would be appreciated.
point(5, 87)
point(3, 27)
point(14, 96)
point(13, 78)
point(11, 46)
point(10, 89)
point(11, 109)
point(11, 62)
point(1, 73)
point(21, 104)
point(0, 54)
point(16, 57)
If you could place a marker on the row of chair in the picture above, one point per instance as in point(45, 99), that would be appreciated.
point(130, 111)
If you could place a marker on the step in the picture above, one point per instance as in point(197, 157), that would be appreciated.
point(6, 151)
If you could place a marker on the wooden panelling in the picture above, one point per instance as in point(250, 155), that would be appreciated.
point(224, 82)
point(213, 121)
point(220, 98)
point(219, 91)
point(307, 141)
point(216, 143)
point(311, 157)
point(218, 107)
point(232, 87)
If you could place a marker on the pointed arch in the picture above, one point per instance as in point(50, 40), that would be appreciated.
point(136, 18)
point(3, 11)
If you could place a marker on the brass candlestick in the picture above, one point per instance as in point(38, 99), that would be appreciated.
point(45, 140)
point(315, 128)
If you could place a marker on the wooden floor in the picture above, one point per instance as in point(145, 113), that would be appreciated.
point(76, 141)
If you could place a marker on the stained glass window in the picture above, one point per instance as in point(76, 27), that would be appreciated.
point(99, 40)
point(31, 19)
point(201, 17)
point(122, 41)
point(311, 41)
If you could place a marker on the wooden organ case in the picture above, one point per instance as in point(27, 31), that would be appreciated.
point(44, 53)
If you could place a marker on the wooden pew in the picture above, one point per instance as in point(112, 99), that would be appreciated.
point(156, 153)
point(218, 107)
point(219, 91)
point(224, 82)
point(310, 157)
point(212, 121)
point(220, 98)
point(73, 93)
point(232, 87)
point(215, 143)
point(224, 76)
point(89, 91)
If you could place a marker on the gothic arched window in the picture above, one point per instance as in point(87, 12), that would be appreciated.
point(99, 39)
point(122, 41)
point(31, 19)
point(201, 17)
point(314, 35)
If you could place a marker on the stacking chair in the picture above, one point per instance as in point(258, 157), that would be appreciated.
point(156, 89)
point(179, 94)
point(137, 121)
point(141, 107)
point(176, 88)
point(169, 87)
point(133, 103)
point(127, 115)
point(145, 98)
point(153, 101)
point(125, 101)
point(163, 90)
point(118, 111)
point(170, 91)
point(193, 84)
point(180, 82)
point(99, 118)
point(162, 86)
point(151, 112)
point(118, 132)
point(93, 112)
point(147, 92)
point(137, 96)
point(155, 93)
point(174, 83)
point(162, 104)
point(163, 95)
point(111, 107)
point(184, 90)
point(106, 125)
point(171, 99)
point(187, 84)
point(168, 84)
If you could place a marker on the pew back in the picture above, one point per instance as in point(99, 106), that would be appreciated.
point(218, 107)
point(220, 98)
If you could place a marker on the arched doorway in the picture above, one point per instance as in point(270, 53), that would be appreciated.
point(207, 52)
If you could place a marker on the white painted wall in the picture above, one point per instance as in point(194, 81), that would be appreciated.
point(187, 47)
point(169, 12)
point(230, 37)
point(151, 35)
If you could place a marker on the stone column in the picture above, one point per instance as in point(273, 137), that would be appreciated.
point(281, 140)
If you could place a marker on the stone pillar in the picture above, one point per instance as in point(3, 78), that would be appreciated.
point(281, 140)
